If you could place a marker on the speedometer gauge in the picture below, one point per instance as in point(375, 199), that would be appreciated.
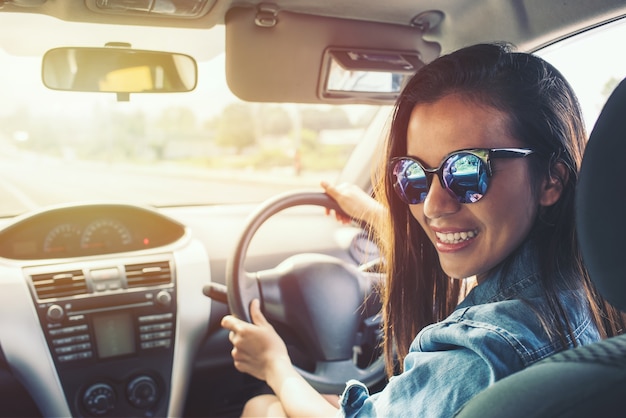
point(105, 234)
point(64, 238)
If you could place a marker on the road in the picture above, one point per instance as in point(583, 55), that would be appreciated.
point(27, 183)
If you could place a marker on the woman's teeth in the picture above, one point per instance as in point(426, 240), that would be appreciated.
point(455, 237)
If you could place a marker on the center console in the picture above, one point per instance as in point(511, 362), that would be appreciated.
point(110, 330)
point(92, 318)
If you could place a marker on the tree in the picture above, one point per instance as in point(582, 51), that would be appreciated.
point(608, 87)
point(236, 127)
point(177, 121)
point(317, 119)
point(274, 120)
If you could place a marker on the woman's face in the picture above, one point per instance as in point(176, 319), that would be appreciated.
point(471, 238)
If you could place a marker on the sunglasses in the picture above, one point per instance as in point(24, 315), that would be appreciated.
point(465, 173)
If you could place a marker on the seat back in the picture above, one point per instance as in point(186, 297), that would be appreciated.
point(601, 200)
point(589, 380)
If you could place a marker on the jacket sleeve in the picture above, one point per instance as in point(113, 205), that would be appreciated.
point(434, 384)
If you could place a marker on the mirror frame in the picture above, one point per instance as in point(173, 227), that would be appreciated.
point(401, 63)
point(134, 70)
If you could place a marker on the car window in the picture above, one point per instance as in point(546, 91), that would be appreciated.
point(593, 63)
point(202, 147)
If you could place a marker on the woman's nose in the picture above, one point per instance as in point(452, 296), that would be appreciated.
point(440, 201)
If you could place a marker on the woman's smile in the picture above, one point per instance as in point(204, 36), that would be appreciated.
point(455, 237)
point(453, 240)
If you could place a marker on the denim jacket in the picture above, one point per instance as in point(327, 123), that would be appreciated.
point(494, 332)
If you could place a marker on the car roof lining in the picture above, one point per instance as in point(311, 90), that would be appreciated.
point(282, 63)
point(481, 27)
point(297, 41)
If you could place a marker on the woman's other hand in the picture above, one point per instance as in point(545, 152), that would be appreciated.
point(257, 347)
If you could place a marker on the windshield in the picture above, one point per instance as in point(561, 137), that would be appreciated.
point(201, 147)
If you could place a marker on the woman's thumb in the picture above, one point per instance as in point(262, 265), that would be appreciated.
point(255, 313)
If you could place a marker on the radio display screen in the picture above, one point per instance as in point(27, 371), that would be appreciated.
point(114, 334)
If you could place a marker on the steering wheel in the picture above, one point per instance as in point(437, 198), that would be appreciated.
point(318, 298)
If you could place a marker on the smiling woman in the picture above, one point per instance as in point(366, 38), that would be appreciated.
point(117, 217)
point(514, 117)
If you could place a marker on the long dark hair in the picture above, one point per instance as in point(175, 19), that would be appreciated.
point(544, 115)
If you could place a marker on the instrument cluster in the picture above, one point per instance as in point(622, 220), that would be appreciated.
point(82, 230)
point(101, 233)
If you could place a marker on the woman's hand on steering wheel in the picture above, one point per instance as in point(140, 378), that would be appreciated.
point(257, 347)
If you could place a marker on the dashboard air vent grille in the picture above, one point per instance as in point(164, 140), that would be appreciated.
point(148, 274)
point(61, 284)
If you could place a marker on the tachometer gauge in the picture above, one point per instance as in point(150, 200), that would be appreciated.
point(64, 238)
point(105, 234)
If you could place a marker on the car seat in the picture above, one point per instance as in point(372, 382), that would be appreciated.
point(589, 380)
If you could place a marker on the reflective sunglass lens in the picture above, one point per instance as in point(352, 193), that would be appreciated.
point(465, 175)
point(410, 182)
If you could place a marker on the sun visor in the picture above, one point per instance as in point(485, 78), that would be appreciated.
point(279, 56)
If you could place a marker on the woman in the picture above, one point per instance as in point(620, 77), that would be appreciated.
point(480, 171)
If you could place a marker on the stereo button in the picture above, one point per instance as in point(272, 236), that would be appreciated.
point(155, 335)
point(72, 348)
point(75, 318)
point(164, 298)
point(76, 356)
point(155, 327)
point(156, 344)
point(155, 318)
point(71, 340)
point(68, 330)
point(55, 313)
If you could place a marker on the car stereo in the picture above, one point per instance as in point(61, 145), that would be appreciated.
point(112, 342)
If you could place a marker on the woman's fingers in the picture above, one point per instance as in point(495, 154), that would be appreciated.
point(256, 315)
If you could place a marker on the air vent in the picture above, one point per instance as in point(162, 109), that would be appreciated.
point(58, 285)
point(148, 274)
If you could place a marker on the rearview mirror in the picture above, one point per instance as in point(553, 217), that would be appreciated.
point(118, 70)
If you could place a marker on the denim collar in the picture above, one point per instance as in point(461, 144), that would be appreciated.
point(514, 279)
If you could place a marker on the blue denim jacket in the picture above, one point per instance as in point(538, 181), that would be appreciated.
point(490, 335)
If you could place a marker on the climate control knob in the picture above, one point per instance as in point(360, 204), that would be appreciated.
point(99, 399)
point(142, 392)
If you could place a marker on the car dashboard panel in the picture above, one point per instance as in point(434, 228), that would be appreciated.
point(86, 230)
point(103, 285)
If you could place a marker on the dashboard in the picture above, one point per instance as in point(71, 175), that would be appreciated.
point(102, 307)
point(85, 230)
point(102, 310)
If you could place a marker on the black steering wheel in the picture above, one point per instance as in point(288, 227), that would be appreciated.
point(318, 298)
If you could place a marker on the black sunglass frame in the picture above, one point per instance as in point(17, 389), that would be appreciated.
point(484, 154)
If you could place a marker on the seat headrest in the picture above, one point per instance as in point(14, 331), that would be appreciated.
point(601, 200)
